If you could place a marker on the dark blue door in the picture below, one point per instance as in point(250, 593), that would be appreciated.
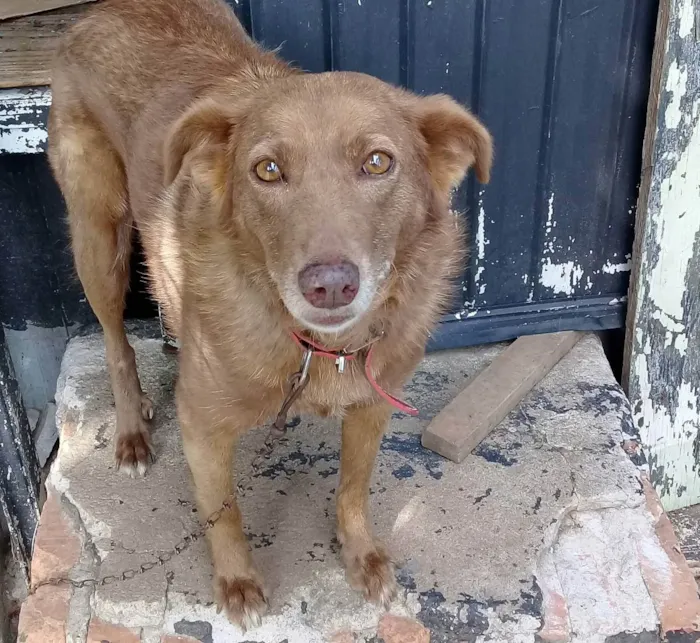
point(562, 85)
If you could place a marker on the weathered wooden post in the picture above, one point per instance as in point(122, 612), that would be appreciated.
point(662, 357)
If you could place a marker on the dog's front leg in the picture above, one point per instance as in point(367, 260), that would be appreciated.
point(369, 568)
point(238, 586)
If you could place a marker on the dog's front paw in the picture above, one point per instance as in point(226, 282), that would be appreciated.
point(243, 600)
point(133, 449)
point(371, 572)
point(134, 452)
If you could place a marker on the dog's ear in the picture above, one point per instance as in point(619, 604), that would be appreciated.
point(456, 140)
point(206, 124)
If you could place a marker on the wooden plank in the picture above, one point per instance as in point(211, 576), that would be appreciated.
point(662, 356)
point(15, 8)
point(27, 46)
point(494, 392)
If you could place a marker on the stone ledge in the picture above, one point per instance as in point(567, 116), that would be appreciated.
point(544, 533)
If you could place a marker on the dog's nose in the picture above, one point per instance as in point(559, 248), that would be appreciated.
point(329, 285)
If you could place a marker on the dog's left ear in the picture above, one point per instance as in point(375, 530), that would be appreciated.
point(456, 140)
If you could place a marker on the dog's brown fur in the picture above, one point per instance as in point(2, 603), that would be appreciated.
point(159, 108)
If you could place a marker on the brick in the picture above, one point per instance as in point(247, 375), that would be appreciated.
point(102, 632)
point(346, 636)
point(555, 628)
point(672, 586)
point(44, 614)
point(56, 546)
point(631, 447)
point(398, 629)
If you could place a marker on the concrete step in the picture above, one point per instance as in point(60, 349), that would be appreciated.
point(546, 532)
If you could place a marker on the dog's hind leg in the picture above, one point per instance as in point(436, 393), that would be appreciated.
point(92, 179)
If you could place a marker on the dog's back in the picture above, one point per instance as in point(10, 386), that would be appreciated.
point(129, 57)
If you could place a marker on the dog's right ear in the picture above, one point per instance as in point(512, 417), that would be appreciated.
point(206, 123)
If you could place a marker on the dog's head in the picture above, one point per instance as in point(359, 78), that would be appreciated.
point(328, 177)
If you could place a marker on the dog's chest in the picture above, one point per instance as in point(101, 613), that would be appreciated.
point(333, 387)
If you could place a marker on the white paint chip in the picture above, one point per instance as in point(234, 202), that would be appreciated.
point(481, 243)
point(676, 85)
point(561, 277)
point(686, 16)
point(613, 268)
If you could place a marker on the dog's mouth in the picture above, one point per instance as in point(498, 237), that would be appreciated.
point(335, 322)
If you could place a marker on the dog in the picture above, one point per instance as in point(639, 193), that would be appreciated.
point(282, 215)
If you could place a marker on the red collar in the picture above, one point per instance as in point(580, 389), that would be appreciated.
point(341, 356)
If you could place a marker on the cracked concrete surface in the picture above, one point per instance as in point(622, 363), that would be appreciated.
point(543, 533)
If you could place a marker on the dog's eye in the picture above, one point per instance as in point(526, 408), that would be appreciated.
point(268, 171)
point(377, 163)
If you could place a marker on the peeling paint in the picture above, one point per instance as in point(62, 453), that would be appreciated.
point(664, 371)
point(613, 268)
point(664, 430)
point(481, 243)
point(673, 328)
point(23, 115)
point(677, 80)
point(561, 277)
point(550, 216)
point(681, 224)
point(686, 13)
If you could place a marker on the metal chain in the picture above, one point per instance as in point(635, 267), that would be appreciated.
point(277, 431)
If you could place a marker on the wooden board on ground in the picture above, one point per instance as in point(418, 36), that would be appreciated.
point(27, 46)
point(14, 8)
point(494, 392)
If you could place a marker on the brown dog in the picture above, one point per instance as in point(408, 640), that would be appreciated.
point(268, 202)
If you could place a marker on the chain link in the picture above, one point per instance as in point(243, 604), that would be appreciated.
point(277, 431)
